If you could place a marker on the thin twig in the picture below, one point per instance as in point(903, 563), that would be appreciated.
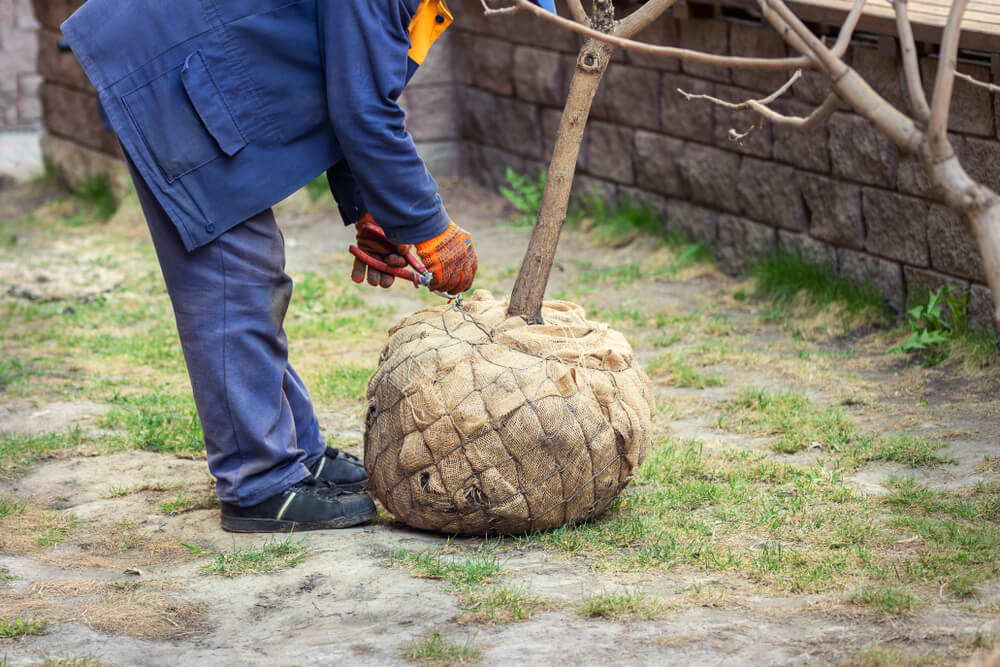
point(736, 106)
point(687, 55)
point(937, 126)
point(578, 12)
point(976, 82)
point(911, 68)
point(847, 30)
point(635, 22)
point(490, 11)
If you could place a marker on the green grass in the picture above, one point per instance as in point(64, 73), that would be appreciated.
point(435, 649)
point(97, 197)
point(621, 604)
point(318, 188)
point(272, 556)
point(877, 657)
point(13, 371)
point(185, 503)
point(682, 374)
point(20, 452)
point(886, 601)
point(782, 277)
point(795, 423)
point(525, 194)
point(787, 527)
point(155, 485)
point(618, 222)
point(688, 254)
point(156, 422)
point(344, 382)
point(16, 627)
point(54, 528)
point(500, 604)
point(467, 568)
point(10, 507)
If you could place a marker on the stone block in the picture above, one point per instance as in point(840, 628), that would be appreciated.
point(758, 41)
point(431, 113)
point(980, 308)
point(72, 114)
point(502, 122)
point(769, 193)
point(981, 158)
point(897, 226)
point(740, 242)
point(586, 188)
point(971, 106)
point(442, 158)
point(438, 67)
point(758, 143)
point(834, 210)
point(708, 36)
point(812, 88)
point(883, 71)
point(861, 153)
point(682, 118)
point(488, 165)
point(610, 152)
point(952, 246)
point(658, 161)
point(807, 248)
point(541, 76)
point(913, 178)
point(711, 175)
point(487, 63)
point(51, 13)
point(629, 95)
point(662, 32)
point(807, 149)
point(78, 164)
point(883, 276)
point(698, 222)
point(523, 28)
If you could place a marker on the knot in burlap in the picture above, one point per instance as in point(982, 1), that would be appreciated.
point(479, 423)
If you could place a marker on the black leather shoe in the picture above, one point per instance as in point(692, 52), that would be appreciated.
point(309, 505)
point(343, 469)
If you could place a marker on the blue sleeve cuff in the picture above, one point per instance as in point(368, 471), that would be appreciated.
point(424, 231)
point(346, 192)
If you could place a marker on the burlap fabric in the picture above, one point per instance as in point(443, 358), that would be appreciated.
point(478, 423)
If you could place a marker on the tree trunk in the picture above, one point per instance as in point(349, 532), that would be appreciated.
point(591, 64)
point(985, 223)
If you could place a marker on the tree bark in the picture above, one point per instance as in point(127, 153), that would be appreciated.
point(591, 64)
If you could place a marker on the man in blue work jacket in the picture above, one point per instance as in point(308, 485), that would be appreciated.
point(223, 108)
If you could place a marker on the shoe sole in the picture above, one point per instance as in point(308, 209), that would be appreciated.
point(234, 524)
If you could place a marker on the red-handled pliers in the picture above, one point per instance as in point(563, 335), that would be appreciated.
point(419, 276)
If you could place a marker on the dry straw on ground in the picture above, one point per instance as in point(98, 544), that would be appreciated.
point(479, 423)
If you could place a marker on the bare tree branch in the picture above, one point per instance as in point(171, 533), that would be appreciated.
point(847, 30)
point(911, 68)
point(687, 55)
point(578, 13)
point(976, 82)
point(937, 126)
point(642, 17)
point(490, 11)
point(748, 104)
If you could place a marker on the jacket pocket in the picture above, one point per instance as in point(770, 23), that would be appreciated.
point(184, 119)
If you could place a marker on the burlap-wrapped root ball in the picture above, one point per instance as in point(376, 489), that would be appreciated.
point(478, 423)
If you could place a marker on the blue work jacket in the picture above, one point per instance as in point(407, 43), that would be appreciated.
point(228, 106)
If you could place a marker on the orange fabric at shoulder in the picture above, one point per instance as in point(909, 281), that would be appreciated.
point(432, 18)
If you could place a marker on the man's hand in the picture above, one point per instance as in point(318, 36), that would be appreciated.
point(378, 248)
point(451, 259)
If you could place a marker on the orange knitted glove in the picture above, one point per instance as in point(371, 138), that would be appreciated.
point(380, 249)
point(451, 259)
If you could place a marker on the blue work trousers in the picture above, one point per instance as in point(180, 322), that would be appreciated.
point(230, 298)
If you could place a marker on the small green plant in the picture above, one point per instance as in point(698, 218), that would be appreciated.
point(621, 221)
point(98, 197)
point(933, 324)
point(470, 569)
point(19, 452)
point(9, 507)
point(623, 604)
point(435, 649)
point(318, 187)
point(11, 628)
point(185, 503)
point(525, 194)
point(272, 556)
point(887, 600)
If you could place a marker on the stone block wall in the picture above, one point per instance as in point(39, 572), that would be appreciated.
point(19, 82)
point(841, 193)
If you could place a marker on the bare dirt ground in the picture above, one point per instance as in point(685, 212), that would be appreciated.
point(151, 605)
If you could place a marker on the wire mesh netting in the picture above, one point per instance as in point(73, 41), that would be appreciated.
point(478, 423)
